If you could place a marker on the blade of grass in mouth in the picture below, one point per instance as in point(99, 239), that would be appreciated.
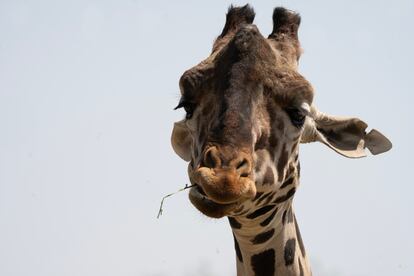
point(162, 201)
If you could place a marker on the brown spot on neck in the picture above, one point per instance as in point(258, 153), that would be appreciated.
point(238, 251)
point(289, 251)
point(269, 218)
point(234, 223)
point(258, 195)
point(263, 264)
point(260, 212)
point(288, 182)
point(263, 237)
point(262, 142)
point(285, 197)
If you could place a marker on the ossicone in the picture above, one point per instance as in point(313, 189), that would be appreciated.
point(236, 17)
point(285, 22)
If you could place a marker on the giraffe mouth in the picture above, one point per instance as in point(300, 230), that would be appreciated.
point(207, 206)
point(198, 190)
point(201, 191)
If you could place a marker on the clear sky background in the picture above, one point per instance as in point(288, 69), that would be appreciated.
point(87, 90)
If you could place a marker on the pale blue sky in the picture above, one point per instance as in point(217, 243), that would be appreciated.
point(87, 90)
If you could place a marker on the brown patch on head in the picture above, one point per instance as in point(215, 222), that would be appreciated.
point(269, 178)
point(273, 139)
point(260, 158)
point(262, 142)
point(281, 164)
point(280, 125)
point(273, 144)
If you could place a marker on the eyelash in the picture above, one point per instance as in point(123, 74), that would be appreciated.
point(188, 107)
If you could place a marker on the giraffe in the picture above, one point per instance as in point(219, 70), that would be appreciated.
point(247, 111)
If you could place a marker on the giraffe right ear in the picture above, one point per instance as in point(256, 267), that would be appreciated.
point(181, 140)
point(346, 136)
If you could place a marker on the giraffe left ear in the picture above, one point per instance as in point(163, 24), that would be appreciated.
point(346, 136)
point(181, 140)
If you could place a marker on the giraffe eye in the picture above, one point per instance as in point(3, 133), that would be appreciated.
point(188, 107)
point(296, 116)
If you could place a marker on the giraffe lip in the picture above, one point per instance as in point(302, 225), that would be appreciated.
point(200, 190)
point(207, 206)
point(205, 197)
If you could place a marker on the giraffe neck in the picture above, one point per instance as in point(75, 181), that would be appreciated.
point(270, 244)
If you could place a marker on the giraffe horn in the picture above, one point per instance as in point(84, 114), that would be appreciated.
point(285, 23)
point(285, 34)
point(236, 17)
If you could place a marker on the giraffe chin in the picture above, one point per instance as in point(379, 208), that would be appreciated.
point(207, 206)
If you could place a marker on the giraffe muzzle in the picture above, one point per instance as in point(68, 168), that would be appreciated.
point(225, 175)
point(224, 185)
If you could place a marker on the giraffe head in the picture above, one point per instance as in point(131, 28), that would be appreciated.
point(247, 111)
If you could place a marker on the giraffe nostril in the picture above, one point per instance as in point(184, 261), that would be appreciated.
point(241, 164)
point(243, 168)
point(209, 160)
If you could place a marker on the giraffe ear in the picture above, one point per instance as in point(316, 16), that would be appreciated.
point(181, 140)
point(346, 136)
